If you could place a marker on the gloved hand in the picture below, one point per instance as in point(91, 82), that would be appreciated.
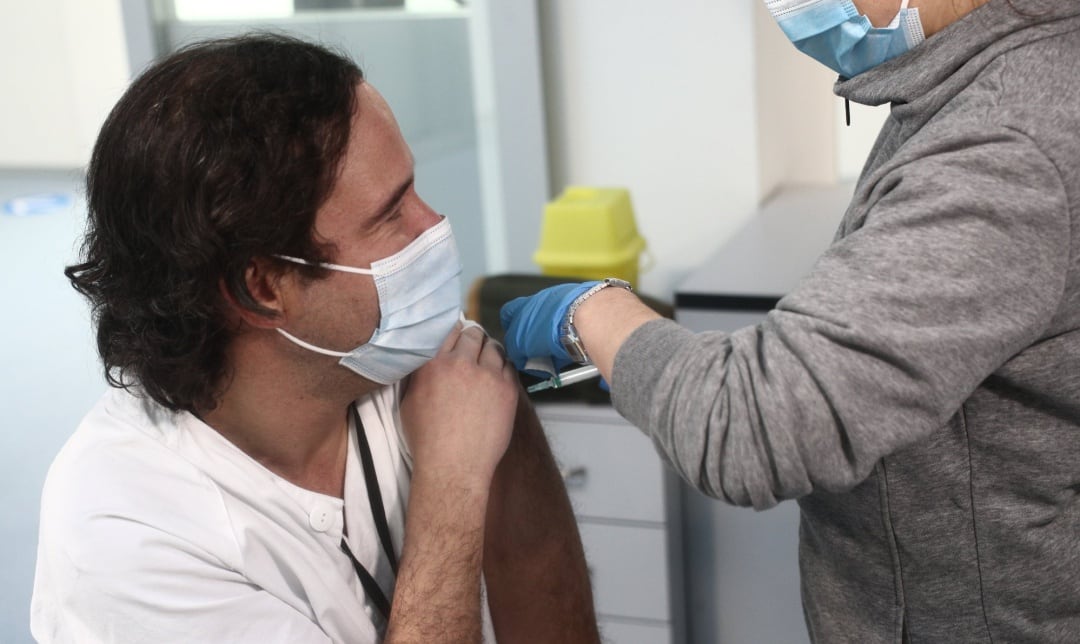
point(532, 324)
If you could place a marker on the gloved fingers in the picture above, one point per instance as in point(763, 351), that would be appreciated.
point(532, 323)
point(510, 310)
point(515, 322)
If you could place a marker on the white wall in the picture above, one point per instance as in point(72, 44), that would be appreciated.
point(854, 142)
point(795, 107)
point(64, 65)
point(657, 97)
point(803, 137)
point(702, 108)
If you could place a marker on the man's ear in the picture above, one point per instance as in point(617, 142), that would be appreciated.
point(263, 281)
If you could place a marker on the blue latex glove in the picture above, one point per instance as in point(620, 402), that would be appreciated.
point(532, 324)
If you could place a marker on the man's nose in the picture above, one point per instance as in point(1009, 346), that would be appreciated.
point(420, 215)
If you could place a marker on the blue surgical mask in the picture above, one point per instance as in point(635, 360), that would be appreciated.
point(834, 33)
point(419, 302)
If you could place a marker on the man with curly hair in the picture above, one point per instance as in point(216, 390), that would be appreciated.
point(303, 443)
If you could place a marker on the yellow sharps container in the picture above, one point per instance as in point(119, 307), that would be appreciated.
point(590, 233)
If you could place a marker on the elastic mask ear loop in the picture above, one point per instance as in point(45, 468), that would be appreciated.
point(333, 267)
point(896, 21)
point(311, 347)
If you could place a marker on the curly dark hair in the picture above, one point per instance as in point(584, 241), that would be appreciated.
point(218, 153)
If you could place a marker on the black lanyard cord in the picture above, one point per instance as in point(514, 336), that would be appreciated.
point(371, 587)
point(378, 512)
point(382, 526)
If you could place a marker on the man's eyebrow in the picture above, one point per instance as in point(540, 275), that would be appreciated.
point(387, 206)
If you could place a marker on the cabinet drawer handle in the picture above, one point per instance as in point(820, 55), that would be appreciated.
point(574, 476)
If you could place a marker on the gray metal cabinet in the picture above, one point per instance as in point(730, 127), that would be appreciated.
point(627, 505)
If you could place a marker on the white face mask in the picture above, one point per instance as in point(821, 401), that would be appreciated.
point(419, 301)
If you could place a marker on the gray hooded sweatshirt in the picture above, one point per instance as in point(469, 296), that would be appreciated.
point(919, 391)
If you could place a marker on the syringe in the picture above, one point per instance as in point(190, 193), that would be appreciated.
point(566, 378)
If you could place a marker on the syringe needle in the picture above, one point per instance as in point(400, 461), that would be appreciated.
point(540, 386)
point(566, 378)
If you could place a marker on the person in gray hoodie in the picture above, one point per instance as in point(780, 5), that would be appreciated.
point(919, 391)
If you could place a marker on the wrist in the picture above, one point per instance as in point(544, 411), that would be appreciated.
point(569, 336)
point(569, 295)
point(466, 482)
point(607, 321)
point(595, 306)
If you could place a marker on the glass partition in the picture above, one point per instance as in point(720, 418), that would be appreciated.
point(430, 60)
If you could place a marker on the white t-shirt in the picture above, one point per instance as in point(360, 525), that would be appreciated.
point(154, 528)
